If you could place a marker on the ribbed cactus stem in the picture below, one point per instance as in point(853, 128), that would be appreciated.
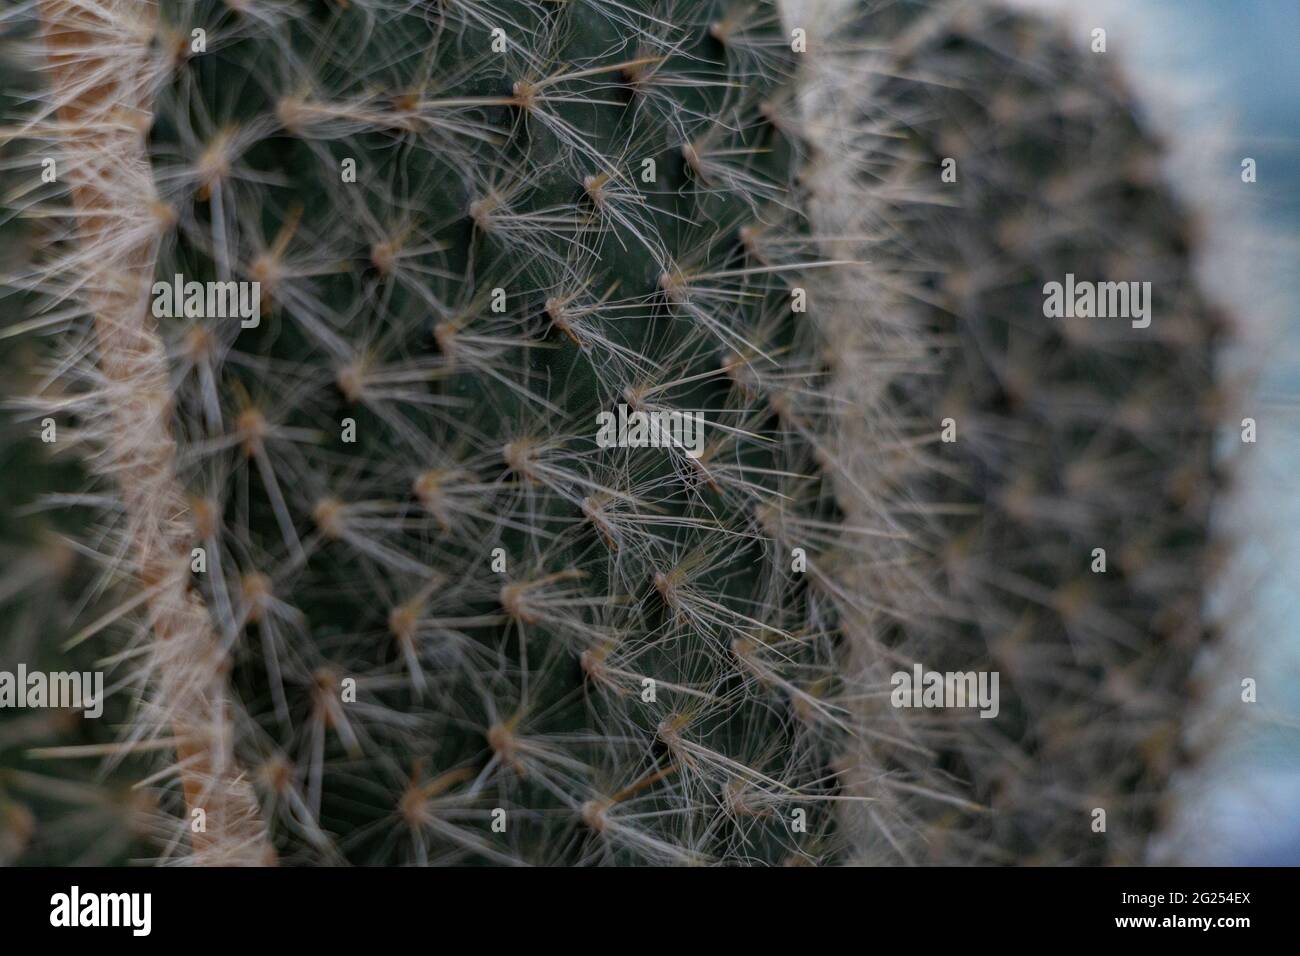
point(100, 61)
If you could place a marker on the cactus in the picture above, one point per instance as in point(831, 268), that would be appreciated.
point(471, 613)
point(1083, 447)
point(1093, 442)
point(376, 589)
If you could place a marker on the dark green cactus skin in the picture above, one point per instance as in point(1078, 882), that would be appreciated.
point(1072, 434)
point(372, 560)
